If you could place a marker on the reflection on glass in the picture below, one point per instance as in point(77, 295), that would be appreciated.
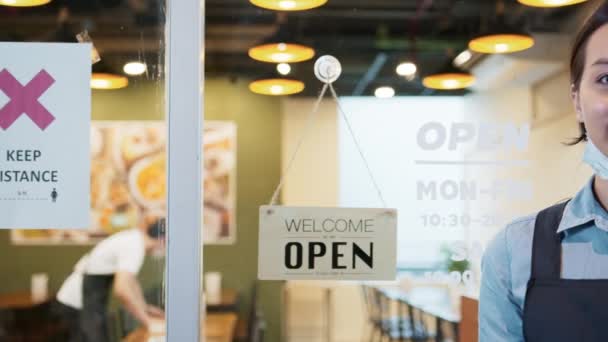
point(24, 3)
point(104, 81)
point(281, 53)
point(276, 87)
point(288, 5)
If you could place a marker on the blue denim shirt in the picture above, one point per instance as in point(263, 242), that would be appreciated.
point(506, 263)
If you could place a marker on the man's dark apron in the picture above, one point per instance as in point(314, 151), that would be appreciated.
point(555, 309)
point(96, 291)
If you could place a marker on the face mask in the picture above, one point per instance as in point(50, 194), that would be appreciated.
point(119, 220)
point(596, 159)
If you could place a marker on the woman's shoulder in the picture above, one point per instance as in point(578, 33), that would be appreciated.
point(522, 228)
point(516, 235)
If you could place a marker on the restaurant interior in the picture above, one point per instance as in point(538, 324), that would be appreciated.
point(405, 64)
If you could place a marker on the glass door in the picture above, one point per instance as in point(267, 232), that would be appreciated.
point(460, 108)
point(125, 274)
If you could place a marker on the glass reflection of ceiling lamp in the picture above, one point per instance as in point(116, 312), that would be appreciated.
point(501, 37)
point(450, 78)
point(463, 58)
point(550, 3)
point(288, 5)
point(501, 42)
point(24, 3)
point(106, 81)
point(283, 69)
point(135, 68)
point(406, 69)
point(281, 53)
point(276, 86)
point(384, 92)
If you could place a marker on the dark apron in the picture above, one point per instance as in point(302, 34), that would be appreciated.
point(67, 321)
point(96, 291)
point(555, 309)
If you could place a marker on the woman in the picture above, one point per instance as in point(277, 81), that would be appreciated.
point(545, 276)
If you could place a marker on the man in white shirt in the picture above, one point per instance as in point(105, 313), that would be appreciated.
point(111, 266)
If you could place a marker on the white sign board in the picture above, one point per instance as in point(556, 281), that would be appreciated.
point(327, 243)
point(45, 114)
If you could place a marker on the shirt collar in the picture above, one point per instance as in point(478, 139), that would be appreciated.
point(583, 208)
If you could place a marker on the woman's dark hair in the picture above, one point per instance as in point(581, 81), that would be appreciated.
point(579, 53)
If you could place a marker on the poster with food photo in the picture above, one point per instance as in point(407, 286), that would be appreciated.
point(128, 182)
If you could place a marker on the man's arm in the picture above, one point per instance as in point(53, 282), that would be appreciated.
point(129, 293)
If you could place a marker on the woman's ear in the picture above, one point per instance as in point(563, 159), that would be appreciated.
point(576, 99)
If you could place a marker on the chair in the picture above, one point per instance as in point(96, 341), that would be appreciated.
point(372, 306)
point(252, 328)
point(447, 330)
point(35, 323)
point(388, 316)
point(371, 301)
point(256, 323)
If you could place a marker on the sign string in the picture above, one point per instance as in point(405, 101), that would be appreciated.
point(357, 144)
point(310, 120)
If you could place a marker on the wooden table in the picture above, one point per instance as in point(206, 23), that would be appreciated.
point(219, 327)
point(19, 300)
point(228, 303)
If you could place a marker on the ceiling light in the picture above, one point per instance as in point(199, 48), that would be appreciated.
point(24, 3)
point(281, 53)
point(550, 3)
point(406, 69)
point(384, 92)
point(134, 68)
point(276, 86)
point(501, 43)
point(283, 68)
point(108, 81)
point(463, 57)
point(288, 5)
point(449, 81)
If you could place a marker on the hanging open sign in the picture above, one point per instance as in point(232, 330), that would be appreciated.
point(327, 243)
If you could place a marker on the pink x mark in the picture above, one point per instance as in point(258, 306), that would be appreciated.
point(24, 99)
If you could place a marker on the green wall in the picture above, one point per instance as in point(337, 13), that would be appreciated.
point(258, 168)
point(258, 120)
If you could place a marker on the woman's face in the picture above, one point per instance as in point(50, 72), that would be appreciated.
point(591, 99)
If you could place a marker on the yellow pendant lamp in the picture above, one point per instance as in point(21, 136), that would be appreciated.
point(450, 78)
point(281, 47)
point(501, 42)
point(288, 5)
point(281, 53)
point(276, 86)
point(106, 81)
point(104, 77)
point(550, 3)
point(24, 3)
point(501, 38)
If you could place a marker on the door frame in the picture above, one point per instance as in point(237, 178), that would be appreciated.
point(184, 37)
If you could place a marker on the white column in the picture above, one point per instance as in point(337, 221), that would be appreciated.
point(184, 80)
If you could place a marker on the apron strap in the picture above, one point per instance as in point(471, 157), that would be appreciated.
point(547, 243)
